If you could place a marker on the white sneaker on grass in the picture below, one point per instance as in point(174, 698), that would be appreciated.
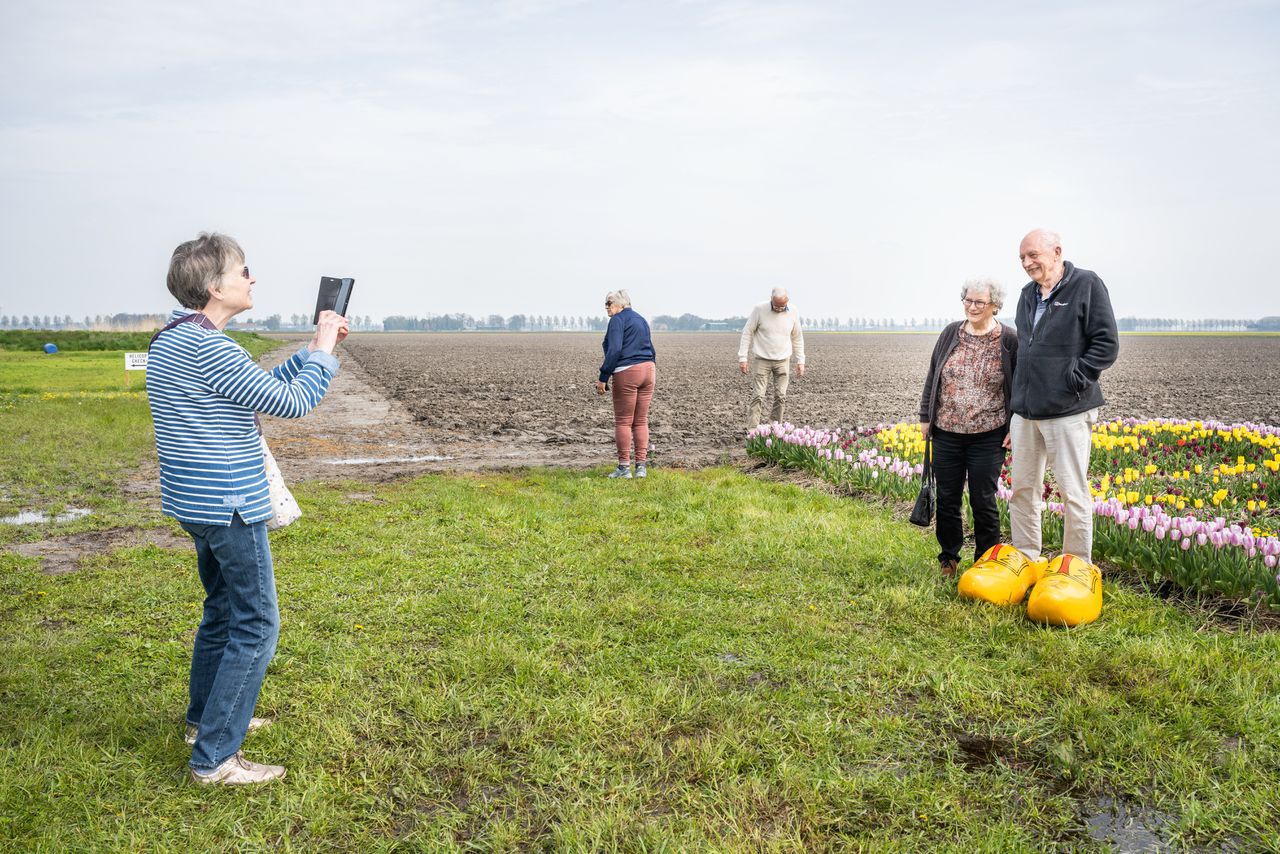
point(622, 471)
point(255, 724)
point(238, 771)
point(641, 470)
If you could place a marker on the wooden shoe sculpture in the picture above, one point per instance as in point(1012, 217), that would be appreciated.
point(1070, 594)
point(1001, 576)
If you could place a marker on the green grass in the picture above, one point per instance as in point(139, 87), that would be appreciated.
point(95, 371)
point(81, 340)
point(551, 660)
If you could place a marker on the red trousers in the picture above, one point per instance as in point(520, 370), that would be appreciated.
point(632, 394)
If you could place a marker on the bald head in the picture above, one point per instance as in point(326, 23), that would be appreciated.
point(1041, 256)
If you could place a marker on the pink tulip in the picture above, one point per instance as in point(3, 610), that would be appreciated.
point(1186, 543)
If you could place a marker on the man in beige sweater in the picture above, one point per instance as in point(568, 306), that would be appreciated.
point(772, 335)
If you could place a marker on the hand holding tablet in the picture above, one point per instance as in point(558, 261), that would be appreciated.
point(330, 332)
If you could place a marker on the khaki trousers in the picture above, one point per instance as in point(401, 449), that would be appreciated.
point(761, 370)
point(1064, 444)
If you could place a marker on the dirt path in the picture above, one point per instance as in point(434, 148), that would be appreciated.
point(361, 433)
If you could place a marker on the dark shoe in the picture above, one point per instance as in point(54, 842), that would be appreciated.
point(948, 567)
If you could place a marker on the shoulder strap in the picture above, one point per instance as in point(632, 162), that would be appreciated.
point(196, 318)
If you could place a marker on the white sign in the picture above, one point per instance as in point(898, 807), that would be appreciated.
point(135, 361)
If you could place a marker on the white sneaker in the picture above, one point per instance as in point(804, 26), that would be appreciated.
point(238, 771)
point(621, 471)
point(641, 471)
point(255, 724)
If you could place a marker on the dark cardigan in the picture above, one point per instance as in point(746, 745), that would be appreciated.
point(942, 350)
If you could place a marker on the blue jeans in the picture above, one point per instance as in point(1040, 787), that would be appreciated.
point(237, 635)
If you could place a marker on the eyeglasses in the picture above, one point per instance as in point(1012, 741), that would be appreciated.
point(607, 303)
point(775, 307)
point(245, 272)
point(976, 303)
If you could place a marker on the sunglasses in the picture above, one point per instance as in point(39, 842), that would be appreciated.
point(245, 272)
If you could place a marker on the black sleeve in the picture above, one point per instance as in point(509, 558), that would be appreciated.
point(1101, 339)
point(926, 397)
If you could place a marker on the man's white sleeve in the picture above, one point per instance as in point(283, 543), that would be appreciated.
point(748, 329)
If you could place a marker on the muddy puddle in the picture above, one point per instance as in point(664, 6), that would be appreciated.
point(35, 517)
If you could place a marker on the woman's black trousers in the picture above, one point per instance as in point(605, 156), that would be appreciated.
point(977, 457)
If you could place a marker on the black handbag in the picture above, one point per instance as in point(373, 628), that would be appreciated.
point(922, 513)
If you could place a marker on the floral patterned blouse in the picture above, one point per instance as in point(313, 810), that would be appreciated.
point(971, 388)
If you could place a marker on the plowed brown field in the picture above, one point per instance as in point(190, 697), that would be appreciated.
point(529, 399)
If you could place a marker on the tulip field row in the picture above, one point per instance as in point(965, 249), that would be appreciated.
point(1192, 501)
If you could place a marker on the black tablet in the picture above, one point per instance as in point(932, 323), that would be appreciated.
point(334, 296)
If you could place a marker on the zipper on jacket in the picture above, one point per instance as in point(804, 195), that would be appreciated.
point(1031, 339)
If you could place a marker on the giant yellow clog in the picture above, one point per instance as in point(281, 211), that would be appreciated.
point(1070, 594)
point(1001, 576)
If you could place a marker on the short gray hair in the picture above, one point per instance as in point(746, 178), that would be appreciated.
point(621, 298)
point(994, 289)
point(778, 293)
point(1048, 238)
point(197, 266)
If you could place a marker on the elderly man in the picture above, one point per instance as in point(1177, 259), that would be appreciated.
point(772, 334)
point(1066, 338)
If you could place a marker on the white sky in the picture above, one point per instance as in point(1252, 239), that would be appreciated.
point(526, 156)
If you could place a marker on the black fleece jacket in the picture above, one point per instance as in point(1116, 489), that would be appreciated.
point(1061, 359)
point(942, 350)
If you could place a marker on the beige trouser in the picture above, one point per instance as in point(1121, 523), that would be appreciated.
point(761, 370)
point(1063, 443)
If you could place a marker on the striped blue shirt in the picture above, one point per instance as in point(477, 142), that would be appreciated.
point(204, 390)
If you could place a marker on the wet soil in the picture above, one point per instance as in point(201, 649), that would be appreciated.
point(60, 555)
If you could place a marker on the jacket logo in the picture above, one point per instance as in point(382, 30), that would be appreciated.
point(1055, 302)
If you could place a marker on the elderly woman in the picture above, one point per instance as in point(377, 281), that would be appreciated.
point(204, 392)
point(965, 412)
point(628, 360)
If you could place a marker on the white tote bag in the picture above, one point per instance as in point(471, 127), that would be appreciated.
point(284, 509)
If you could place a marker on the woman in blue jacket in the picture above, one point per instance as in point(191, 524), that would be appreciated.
point(628, 360)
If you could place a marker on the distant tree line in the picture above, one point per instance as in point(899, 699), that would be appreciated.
point(1169, 324)
point(122, 322)
point(297, 323)
point(493, 322)
point(128, 322)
